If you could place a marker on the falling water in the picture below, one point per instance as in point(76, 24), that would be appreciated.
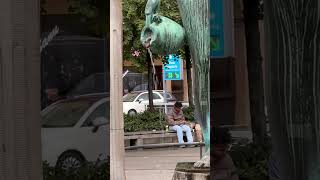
point(154, 82)
point(153, 67)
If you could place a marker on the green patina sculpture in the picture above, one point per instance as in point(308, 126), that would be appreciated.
point(151, 9)
point(164, 36)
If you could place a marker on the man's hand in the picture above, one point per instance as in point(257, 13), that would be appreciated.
point(180, 122)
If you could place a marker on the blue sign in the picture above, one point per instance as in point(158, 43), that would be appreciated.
point(216, 28)
point(173, 69)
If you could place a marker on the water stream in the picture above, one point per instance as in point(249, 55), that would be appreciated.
point(155, 79)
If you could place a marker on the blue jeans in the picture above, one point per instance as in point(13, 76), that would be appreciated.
point(180, 129)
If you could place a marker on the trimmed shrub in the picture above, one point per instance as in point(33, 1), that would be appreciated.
point(99, 170)
point(146, 121)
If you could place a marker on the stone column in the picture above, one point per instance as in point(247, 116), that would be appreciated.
point(20, 128)
point(116, 125)
point(169, 86)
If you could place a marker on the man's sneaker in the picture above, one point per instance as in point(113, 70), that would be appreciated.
point(192, 146)
point(182, 146)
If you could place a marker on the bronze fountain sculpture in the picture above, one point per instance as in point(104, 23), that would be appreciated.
point(163, 36)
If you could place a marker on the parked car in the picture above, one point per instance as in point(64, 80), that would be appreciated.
point(100, 83)
point(137, 102)
point(76, 130)
point(95, 83)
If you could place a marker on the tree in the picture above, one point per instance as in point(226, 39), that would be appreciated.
point(252, 15)
point(134, 19)
point(188, 68)
point(96, 13)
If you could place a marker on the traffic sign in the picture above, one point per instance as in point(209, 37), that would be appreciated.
point(173, 70)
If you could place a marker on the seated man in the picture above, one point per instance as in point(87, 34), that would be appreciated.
point(224, 168)
point(177, 122)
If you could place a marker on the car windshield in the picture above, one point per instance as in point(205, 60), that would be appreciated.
point(130, 97)
point(168, 96)
point(65, 114)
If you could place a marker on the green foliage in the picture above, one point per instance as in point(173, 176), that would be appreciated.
point(95, 12)
point(189, 114)
point(146, 121)
point(251, 161)
point(90, 171)
point(133, 23)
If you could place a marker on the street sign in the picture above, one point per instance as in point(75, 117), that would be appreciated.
point(216, 28)
point(221, 28)
point(173, 70)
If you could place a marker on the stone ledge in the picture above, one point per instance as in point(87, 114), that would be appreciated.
point(186, 171)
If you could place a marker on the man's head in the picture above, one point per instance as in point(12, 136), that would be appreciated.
point(177, 106)
point(220, 140)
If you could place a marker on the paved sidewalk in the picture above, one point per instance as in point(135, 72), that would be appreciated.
point(157, 164)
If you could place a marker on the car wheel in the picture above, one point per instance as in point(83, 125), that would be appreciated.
point(132, 112)
point(70, 160)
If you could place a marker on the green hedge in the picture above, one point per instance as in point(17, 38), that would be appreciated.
point(251, 161)
point(89, 171)
point(146, 121)
point(189, 114)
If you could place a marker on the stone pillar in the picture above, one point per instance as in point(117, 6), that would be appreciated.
point(116, 124)
point(20, 128)
point(169, 86)
point(242, 106)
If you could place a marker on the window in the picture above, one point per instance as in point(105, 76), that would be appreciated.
point(144, 97)
point(65, 114)
point(169, 96)
point(156, 96)
point(130, 97)
point(101, 111)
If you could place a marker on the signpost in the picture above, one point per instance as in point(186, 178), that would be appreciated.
point(172, 71)
point(221, 28)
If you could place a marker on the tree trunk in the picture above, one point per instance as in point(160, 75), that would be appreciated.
point(255, 73)
point(189, 79)
point(293, 85)
point(150, 83)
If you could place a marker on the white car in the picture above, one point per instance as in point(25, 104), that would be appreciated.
point(137, 102)
point(75, 131)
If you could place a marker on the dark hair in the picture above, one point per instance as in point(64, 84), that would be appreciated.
point(178, 104)
point(220, 135)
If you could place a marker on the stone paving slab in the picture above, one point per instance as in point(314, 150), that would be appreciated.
point(157, 164)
